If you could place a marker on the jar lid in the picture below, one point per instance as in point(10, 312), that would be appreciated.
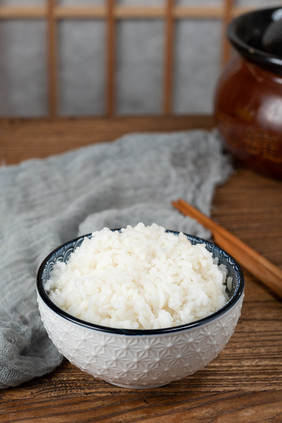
point(246, 32)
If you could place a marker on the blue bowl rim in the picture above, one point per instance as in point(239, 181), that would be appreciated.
point(135, 332)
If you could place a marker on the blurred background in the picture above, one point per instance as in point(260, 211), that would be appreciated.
point(105, 57)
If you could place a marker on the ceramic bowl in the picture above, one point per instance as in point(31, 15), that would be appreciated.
point(140, 358)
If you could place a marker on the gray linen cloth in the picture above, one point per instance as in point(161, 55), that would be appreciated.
point(47, 202)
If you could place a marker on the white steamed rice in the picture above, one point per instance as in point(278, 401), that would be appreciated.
point(139, 278)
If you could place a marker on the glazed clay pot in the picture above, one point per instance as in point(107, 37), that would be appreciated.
point(248, 99)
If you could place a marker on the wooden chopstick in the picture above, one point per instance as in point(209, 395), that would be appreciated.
point(255, 263)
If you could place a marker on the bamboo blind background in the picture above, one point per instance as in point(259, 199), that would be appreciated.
point(110, 13)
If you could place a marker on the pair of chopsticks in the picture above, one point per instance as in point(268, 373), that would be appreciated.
point(255, 263)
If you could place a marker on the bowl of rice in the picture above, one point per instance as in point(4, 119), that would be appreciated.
point(139, 307)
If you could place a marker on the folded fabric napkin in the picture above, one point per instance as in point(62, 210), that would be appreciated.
point(47, 202)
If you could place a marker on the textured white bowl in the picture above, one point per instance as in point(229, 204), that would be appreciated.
point(140, 358)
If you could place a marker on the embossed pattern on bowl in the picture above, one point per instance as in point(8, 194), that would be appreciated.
point(140, 358)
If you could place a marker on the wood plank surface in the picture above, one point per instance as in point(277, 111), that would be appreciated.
point(120, 12)
point(21, 139)
point(244, 383)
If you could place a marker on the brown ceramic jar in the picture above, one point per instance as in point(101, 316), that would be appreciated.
point(248, 99)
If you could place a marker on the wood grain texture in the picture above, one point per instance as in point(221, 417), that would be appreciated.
point(244, 383)
point(21, 139)
point(52, 58)
point(110, 52)
point(168, 66)
point(120, 12)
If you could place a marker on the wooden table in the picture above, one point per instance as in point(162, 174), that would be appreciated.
point(244, 383)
